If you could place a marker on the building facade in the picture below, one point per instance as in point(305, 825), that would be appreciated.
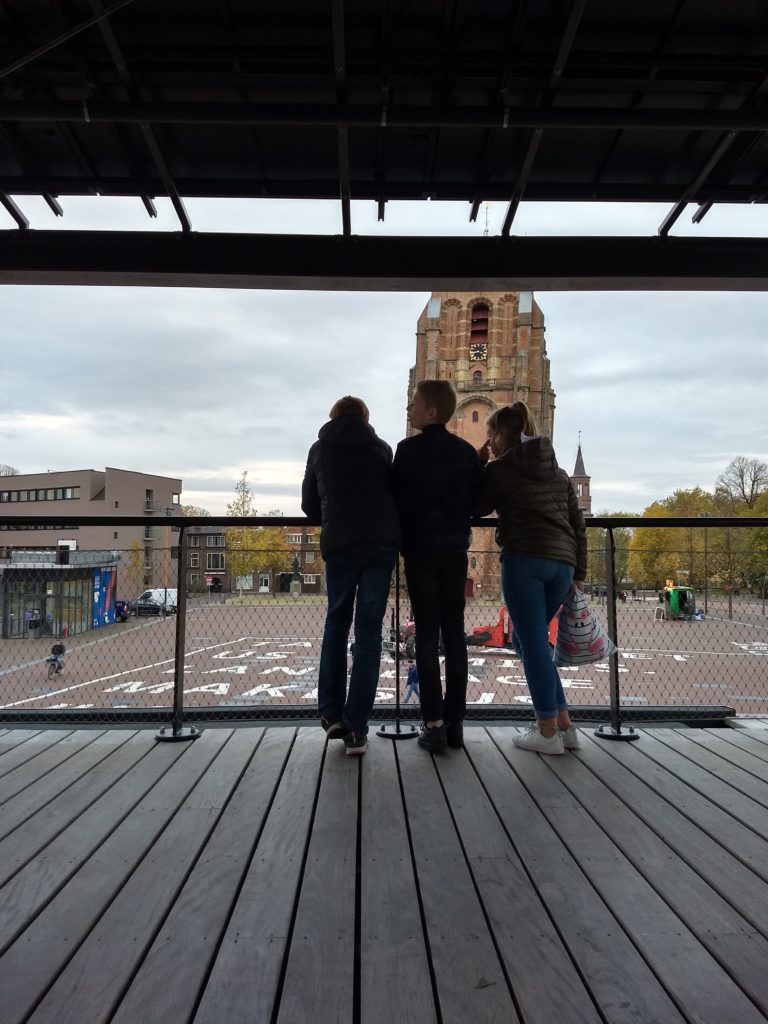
point(144, 552)
point(208, 565)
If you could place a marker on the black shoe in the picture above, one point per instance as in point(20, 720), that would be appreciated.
point(356, 743)
point(455, 734)
point(433, 738)
point(333, 728)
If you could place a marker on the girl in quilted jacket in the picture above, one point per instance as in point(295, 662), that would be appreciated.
point(543, 544)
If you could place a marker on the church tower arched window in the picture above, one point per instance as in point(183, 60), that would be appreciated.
point(477, 377)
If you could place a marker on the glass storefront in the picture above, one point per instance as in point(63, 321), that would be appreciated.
point(37, 605)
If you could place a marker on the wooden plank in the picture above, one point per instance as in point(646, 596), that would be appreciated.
point(93, 857)
point(244, 981)
point(37, 796)
point(319, 979)
point(736, 945)
point(721, 767)
point(470, 980)
point(690, 974)
point(171, 975)
point(659, 773)
point(734, 881)
point(685, 765)
point(619, 979)
point(395, 982)
point(85, 990)
point(525, 935)
point(32, 747)
point(60, 822)
point(13, 737)
point(735, 753)
point(743, 740)
point(50, 760)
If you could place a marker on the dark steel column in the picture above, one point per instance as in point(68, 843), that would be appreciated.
point(613, 732)
point(178, 731)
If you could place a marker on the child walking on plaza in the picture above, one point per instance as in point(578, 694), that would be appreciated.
point(413, 682)
point(435, 474)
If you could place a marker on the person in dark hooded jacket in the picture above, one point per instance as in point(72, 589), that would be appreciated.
point(347, 489)
point(543, 544)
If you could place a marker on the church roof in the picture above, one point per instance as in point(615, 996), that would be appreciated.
point(578, 469)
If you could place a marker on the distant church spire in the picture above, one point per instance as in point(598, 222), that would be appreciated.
point(581, 480)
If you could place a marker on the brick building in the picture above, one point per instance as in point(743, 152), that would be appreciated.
point(207, 559)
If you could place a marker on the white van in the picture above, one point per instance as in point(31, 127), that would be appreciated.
point(157, 601)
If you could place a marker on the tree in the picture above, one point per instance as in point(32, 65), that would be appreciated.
point(743, 481)
point(242, 504)
point(194, 510)
point(622, 537)
point(6, 470)
point(133, 571)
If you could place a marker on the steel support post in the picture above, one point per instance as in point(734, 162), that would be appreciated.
point(178, 731)
point(613, 732)
point(395, 731)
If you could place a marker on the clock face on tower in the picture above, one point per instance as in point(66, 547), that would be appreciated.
point(478, 351)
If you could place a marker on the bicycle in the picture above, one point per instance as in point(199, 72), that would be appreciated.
point(55, 666)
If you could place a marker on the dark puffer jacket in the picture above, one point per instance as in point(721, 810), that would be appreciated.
point(435, 477)
point(538, 510)
point(347, 486)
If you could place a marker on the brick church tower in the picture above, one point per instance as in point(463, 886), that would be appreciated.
point(491, 346)
point(580, 481)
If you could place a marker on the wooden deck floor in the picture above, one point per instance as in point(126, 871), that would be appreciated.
point(256, 875)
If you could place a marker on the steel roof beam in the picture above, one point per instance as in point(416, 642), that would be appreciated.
point(366, 115)
point(62, 38)
point(115, 52)
point(563, 50)
point(15, 212)
point(342, 135)
point(389, 263)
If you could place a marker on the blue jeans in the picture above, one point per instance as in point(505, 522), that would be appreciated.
point(357, 578)
point(534, 588)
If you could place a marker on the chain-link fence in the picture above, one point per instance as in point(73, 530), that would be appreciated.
point(245, 606)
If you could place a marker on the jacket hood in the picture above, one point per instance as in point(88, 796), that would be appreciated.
point(347, 430)
point(534, 459)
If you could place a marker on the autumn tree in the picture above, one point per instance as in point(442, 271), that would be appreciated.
point(253, 549)
point(133, 570)
point(194, 510)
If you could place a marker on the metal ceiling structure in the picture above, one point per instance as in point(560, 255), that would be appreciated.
point(503, 100)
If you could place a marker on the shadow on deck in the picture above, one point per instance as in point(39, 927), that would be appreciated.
point(258, 875)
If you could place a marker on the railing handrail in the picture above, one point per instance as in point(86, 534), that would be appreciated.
point(592, 522)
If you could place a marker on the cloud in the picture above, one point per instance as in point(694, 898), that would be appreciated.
point(666, 388)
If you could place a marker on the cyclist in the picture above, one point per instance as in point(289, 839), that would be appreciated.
point(57, 655)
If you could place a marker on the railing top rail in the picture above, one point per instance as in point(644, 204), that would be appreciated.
point(594, 522)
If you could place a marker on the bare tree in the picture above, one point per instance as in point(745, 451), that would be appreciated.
point(743, 481)
point(6, 470)
point(194, 510)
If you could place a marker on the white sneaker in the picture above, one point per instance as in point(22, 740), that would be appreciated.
point(533, 739)
point(570, 737)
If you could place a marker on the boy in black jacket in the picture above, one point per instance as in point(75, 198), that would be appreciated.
point(435, 474)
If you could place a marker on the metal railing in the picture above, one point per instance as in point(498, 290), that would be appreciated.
point(243, 643)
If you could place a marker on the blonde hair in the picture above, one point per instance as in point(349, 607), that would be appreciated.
point(440, 395)
point(512, 420)
point(349, 404)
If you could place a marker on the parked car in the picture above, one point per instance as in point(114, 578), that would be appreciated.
point(156, 601)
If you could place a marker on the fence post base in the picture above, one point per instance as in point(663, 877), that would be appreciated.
point(394, 733)
point(177, 735)
point(607, 732)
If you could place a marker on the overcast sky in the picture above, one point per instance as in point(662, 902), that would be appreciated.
point(666, 388)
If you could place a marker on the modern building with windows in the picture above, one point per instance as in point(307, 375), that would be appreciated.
point(144, 552)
